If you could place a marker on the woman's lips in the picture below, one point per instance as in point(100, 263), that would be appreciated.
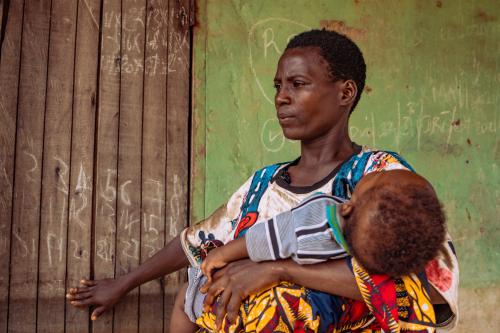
point(284, 115)
point(285, 119)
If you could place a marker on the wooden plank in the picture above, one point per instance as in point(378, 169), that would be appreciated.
point(82, 156)
point(198, 122)
point(177, 136)
point(3, 22)
point(56, 168)
point(129, 158)
point(29, 136)
point(9, 79)
point(153, 160)
point(4, 12)
point(107, 151)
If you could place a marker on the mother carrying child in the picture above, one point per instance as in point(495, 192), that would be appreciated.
point(319, 81)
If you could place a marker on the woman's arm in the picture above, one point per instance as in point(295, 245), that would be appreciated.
point(105, 293)
point(333, 277)
point(182, 250)
point(240, 279)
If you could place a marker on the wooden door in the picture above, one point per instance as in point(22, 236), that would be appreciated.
point(94, 156)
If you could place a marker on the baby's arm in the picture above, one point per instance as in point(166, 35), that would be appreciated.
point(303, 234)
point(221, 256)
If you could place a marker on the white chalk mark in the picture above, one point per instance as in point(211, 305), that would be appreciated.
point(21, 241)
point(152, 250)
point(54, 243)
point(83, 180)
point(34, 168)
point(81, 190)
point(90, 13)
point(62, 220)
point(105, 249)
point(61, 184)
point(249, 41)
point(451, 126)
point(269, 42)
point(158, 198)
point(6, 176)
point(123, 193)
point(373, 129)
point(131, 250)
point(175, 206)
point(34, 248)
point(152, 219)
point(109, 192)
point(398, 134)
point(74, 212)
point(2, 107)
point(419, 125)
point(272, 141)
point(3, 167)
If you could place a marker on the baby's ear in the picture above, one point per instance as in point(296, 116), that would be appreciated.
point(346, 209)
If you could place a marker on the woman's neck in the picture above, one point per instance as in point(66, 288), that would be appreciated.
point(332, 148)
point(319, 157)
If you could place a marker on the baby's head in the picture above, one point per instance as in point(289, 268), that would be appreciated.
point(394, 223)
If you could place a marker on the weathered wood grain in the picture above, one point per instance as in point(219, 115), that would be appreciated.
point(56, 168)
point(82, 156)
point(106, 154)
point(94, 165)
point(9, 79)
point(154, 160)
point(107, 151)
point(128, 232)
point(177, 135)
point(29, 148)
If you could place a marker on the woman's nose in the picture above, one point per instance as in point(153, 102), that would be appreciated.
point(282, 97)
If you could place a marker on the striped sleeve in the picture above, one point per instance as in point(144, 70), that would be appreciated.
point(302, 234)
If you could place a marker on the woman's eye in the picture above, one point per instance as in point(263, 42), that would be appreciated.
point(297, 84)
point(277, 86)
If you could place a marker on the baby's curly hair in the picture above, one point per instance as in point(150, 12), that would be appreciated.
point(343, 56)
point(407, 228)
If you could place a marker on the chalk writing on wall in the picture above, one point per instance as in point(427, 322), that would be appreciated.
point(265, 45)
point(132, 27)
point(272, 137)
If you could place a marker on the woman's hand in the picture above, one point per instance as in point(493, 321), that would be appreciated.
point(237, 281)
point(103, 294)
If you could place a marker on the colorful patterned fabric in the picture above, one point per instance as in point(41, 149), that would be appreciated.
point(403, 306)
point(314, 311)
point(284, 308)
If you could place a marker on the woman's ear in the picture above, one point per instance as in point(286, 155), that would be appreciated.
point(346, 209)
point(349, 92)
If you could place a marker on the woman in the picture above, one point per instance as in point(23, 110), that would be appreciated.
point(319, 81)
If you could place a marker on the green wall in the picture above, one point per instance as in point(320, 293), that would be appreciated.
point(432, 94)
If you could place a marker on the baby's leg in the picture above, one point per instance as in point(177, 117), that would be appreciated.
point(179, 321)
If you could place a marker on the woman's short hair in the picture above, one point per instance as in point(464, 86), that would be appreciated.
point(342, 54)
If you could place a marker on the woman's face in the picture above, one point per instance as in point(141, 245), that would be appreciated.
point(307, 100)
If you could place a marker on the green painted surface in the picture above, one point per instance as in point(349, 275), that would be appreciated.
point(434, 83)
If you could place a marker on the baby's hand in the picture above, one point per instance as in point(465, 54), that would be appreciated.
point(215, 259)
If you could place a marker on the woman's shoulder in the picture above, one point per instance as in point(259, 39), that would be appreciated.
point(366, 161)
point(378, 159)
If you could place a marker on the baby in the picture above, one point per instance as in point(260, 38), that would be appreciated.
point(393, 224)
